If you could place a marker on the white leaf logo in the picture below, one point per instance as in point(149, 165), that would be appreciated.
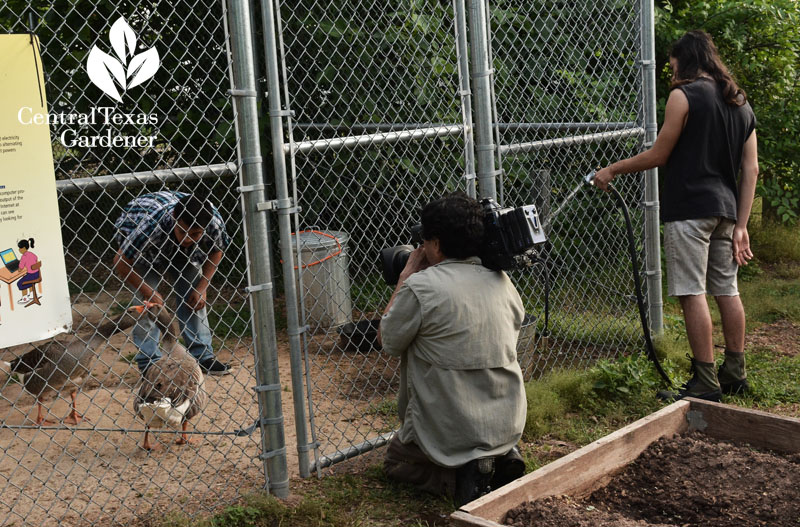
point(101, 67)
point(123, 40)
point(142, 67)
point(109, 74)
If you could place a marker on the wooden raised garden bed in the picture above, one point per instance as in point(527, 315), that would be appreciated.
point(592, 467)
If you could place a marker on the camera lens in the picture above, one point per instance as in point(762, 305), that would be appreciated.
point(393, 260)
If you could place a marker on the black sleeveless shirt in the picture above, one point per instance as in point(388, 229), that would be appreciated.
point(703, 168)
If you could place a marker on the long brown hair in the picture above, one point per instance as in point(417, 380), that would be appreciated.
point(697, 54)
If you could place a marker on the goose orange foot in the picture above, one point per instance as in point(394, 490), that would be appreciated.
point(74, 417)
point(40, 420)
point(184, 438)
point(149, 446)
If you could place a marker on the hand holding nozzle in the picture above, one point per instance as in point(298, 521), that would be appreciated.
point(601, 178)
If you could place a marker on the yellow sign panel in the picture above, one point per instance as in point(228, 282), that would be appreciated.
point(34, 297)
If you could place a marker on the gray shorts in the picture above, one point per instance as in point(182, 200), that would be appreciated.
point(700, 257)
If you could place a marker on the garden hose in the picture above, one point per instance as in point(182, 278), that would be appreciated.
point(651, 352)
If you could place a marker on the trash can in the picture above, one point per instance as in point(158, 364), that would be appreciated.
point(323, 269)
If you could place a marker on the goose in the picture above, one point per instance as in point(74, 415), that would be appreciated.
point(57, 365)
point(172, 390)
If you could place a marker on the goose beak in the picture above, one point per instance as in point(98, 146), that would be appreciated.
point(141, 309)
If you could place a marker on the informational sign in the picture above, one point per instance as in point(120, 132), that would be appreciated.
point(34, 297)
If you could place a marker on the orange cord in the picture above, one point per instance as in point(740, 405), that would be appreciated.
point(334, 238)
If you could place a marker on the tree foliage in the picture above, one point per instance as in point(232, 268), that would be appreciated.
point(187, 93)
point(759, 40)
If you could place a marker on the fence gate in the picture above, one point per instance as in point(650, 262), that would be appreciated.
point(377, 127)
point(570, 96)
point(368, 116)
point(95, 472)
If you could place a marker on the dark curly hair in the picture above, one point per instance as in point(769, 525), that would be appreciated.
point(194, 211)
point(696, 53)
point(457, 221)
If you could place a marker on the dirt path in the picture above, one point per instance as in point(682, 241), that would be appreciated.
point(97, 472)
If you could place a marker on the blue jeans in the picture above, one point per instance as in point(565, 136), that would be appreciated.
point(193, 324)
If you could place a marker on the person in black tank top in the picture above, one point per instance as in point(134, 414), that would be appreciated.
point(708, 148)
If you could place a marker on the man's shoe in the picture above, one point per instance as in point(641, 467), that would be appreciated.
point(214, 367)
point(732, 374)
point(686, 391)
point(702, 385)
point(507, 468)
point(473, 480)
point(737, 387)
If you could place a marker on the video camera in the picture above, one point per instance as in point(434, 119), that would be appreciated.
point(509, 238)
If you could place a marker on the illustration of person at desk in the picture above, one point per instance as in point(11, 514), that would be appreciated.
point(27, 263)
point(24, 271)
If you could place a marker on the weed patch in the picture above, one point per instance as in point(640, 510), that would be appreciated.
point(776, 243)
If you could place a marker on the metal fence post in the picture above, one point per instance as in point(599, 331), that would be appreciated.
point(285, 207)
point(652, 237)
point(258, 249)
point(482, 90)
point(462, 52)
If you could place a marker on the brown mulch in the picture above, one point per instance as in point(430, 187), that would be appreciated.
point(683, 481)
point(782, 337)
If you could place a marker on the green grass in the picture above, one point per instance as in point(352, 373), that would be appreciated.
point(370, 293)
point(773, 379)
point(128, 357)
point(591, 327)
point(347, 500)
point(230, 320)
point(769, 300)
point(775, 243)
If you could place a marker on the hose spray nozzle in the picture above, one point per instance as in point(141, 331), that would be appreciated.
point(589, 178)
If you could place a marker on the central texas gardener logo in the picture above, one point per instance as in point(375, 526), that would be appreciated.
point(115, 76)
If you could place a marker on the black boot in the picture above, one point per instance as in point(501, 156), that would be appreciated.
point(702, 385)
point(507, 468)
point(732, 375)
point(473, 480)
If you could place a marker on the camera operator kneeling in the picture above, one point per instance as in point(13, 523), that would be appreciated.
point(455, 323)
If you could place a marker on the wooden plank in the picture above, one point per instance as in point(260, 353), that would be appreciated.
point(759, 429)
point(582, 470)
point(462, 519)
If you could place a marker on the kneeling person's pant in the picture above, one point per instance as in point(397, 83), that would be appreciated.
point(409, 464)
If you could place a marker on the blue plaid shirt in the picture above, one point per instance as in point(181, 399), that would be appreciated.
point(145, 232)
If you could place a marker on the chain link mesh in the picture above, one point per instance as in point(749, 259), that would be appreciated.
point(95, 472)
point(378, 131)
point(569, 85)
point(359, 69)
point(380, 72)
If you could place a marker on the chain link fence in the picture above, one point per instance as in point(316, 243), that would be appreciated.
point(96, 472)
point(372, 106)
point(377, 129)
point(569, 98)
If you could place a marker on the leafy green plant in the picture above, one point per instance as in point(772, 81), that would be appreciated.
point(237, 516)
point(783, 197)
point(750, 271)
point(624, 377)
